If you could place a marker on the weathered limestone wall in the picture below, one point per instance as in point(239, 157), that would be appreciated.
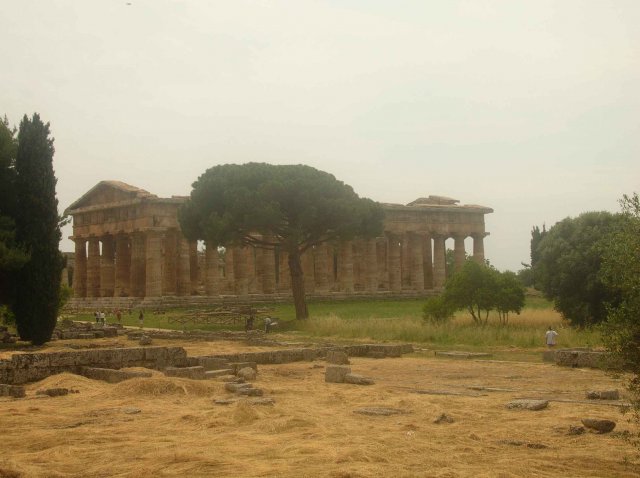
point(580, 358)
point(31, 367)
point(23, 368)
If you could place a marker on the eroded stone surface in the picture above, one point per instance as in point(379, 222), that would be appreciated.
point(603, 395)
point(336, 373)
point(337, 357)
point(379, 411)
point(528, 404)
point(599, 425)
point(356, 379)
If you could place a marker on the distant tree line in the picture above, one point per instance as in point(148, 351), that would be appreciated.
point(30, 260)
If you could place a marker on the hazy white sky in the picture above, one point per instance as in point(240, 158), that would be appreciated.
point(529, 107)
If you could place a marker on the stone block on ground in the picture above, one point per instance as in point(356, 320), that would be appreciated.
point(250, 392)
point(443, 418)
point(379, 411)
point(212, 363)
point(603, 395)
point(528, 404)
point(337, 357)
point(54, 392)
point(336, 373)
point(15, 391)
point(356, 379)
point(235, 387)
point(247, 373)
point(110, 331)
point(194, 373)
point(261, 401)
point(145, 340)
point(376, 354)
point(235, 366)
point(599, 425)
point(218, 373)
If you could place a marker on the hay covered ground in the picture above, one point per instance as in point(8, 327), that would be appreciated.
point(312, 429)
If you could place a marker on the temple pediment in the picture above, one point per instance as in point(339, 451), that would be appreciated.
point(109, 193)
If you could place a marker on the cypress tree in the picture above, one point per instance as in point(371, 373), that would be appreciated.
point(37, 230)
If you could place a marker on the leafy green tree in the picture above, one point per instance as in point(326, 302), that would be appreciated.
point(621, 272)
point(293, 207)
point(569, 258)
point(509, 295)
point(37, 291)
point(474, 288)
point(12, 257)
point(438, 310)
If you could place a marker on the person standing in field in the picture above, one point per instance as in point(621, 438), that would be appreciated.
point(550, 337)
point(141, 318)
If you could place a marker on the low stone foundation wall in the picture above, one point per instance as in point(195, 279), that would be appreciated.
point(31, 367)
point(308, 354)
point(23, 368)
point(578, 358)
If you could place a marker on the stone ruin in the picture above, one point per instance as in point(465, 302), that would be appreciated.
point(108, 364)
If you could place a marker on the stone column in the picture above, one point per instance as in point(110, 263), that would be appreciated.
point(184, 267)
point(345, 266)
point(284, 279)
point(107, 267)
point(439, 271)
point(93, 268)
point(405, 261)
point(371, 262)
point(229, 270)
point(212, 276)
point(153, 264)
point(252, 266)
point(321, 267)
point(268, 270)
point(138, 266)
point(242, 281)
point(123, 266)
point(395, 268)
point(427, 260)
point(193, 267)
point(459, 255)
point(170, 273)
point(80, 269)
point(308, 271)
point(478, 249)
point(417, 262)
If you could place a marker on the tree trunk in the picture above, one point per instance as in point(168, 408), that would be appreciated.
point(297, 285)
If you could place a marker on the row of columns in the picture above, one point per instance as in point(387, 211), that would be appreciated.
point(150, 263)
point(163, 263)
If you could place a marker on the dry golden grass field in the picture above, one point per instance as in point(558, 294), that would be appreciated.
point(312, 430)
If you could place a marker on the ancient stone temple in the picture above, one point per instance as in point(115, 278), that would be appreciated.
point(128, 245)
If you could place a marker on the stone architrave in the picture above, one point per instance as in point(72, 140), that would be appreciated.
point(107, 267)
point(459, 254)
point(212, 274)
point(138, 266)
point(395, 268)
point(345, 266)
point(123, 266)
point(439, 261)
point(427, 260)
point(80, 272)
point(184, 267)
point(417, 262)
point(153, 264)
point(93, 268)
point(170, 272)
point(478, 248)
